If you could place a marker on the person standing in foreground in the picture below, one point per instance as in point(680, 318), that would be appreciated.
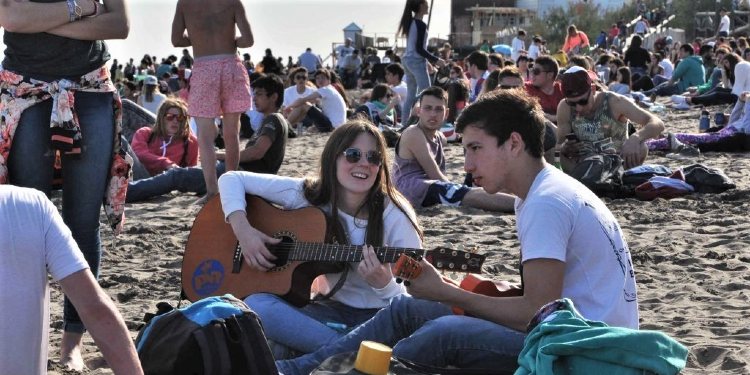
point(57, 97)
point(35, 241)
point(582, 256)
point(219, 84)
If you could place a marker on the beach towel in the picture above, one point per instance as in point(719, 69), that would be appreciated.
point(566, 343)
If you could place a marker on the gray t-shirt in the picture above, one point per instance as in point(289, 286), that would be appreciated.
point(48, 57)
point(275, 127)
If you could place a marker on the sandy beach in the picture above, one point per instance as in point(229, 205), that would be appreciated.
point(690, 254)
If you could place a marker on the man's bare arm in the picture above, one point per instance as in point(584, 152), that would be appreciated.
point(245, 40)
point(179, 31)
point(110, 23)
point(103, 321)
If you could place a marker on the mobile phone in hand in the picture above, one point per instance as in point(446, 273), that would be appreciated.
point(572, 137)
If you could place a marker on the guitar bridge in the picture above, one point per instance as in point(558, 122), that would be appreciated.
point(237, 259)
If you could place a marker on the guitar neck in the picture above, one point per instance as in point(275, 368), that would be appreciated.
point(312, 251)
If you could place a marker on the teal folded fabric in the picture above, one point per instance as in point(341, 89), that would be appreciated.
point(568, 344)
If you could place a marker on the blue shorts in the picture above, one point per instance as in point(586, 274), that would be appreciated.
point(446, 193)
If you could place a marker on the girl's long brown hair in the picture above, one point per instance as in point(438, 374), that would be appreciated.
point(160, 127)
point(325, 188)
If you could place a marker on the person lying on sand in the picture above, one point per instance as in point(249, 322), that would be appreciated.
point(572, 247)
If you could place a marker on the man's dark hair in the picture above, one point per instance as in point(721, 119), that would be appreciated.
point(272, 84)
point(581, 61)
point(323, 72)
point(704, 50)
point(548, 64)
point(687, 48)
point(434, 91)
point(509, 72)
point(502, 112)
point(497, 59)
point(397, 69)
point(478, 58)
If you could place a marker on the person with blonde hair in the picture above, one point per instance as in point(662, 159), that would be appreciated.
point(575, 41)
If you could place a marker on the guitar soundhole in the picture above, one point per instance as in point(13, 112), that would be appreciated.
point(282, 250)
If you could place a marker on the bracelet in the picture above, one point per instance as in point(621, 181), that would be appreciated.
point(96, 9)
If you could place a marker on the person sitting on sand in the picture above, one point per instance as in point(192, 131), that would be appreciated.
point(419, 166)
point(332, 113)
point(380, 109)
point(34, 243)
point(688, 72)
point(581, 255)
point(600, 122)
point(738, 126)
point(298, 89)
point(263, 153)
point(354, 189)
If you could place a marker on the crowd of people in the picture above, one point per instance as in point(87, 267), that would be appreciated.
point(516, 113)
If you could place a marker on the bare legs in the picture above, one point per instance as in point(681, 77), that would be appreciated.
point(207, 132)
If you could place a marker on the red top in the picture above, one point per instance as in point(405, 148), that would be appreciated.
point(549, 102)
point(153, 156)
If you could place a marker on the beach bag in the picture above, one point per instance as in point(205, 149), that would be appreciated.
point(213, 336)
point(707, 180)
point(601, 173)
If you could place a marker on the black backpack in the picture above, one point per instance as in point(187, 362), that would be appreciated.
point(213, 336)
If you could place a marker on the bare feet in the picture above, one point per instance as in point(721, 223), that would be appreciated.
point(204, 199)
point(70, 351)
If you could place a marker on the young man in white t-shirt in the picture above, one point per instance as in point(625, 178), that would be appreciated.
point(571, 247)
point(332, 113)
point(394, 74)
point(723, 29)
point(299, 89)
point(518, 45)
point(34, 241)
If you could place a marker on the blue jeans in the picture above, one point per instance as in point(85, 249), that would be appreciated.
point(186, 180)
point(31, 161)
point(428, 334)
point(303, 330)
point(417, 79)
point(664, 89)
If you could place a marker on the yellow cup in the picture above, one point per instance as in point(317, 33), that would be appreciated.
point(373, 358)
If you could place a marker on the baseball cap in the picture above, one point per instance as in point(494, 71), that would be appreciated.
point(150, 80)
point(575, 82)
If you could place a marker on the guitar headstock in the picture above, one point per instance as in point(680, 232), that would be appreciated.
point(455, 260)
point(407, 267)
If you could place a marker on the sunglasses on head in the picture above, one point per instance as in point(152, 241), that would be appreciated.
point(353, 155)
point(582, 102)
point(172, 117)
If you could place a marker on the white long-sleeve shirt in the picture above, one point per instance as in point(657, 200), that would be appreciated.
point(287, 192)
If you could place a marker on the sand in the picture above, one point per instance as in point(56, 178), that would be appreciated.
point(690, 255)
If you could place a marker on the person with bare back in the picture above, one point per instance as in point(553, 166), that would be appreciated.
point(219, 84)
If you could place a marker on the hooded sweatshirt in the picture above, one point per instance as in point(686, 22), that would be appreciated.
point(689, 72)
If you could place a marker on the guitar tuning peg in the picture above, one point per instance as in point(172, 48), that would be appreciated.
point(419, 258)
point(406, 283)
point(399, 280)
point(474, 250)
point(453, 276)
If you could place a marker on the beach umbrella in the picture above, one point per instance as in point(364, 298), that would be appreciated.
point(502, 48)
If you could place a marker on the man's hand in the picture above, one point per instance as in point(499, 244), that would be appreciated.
point(631, 152)
point(375, 273)
point(570, 149)
point(429, 285)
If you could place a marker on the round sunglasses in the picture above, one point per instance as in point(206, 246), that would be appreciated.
point(353, 155)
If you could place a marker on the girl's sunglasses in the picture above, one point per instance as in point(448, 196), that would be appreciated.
point(353, 155)
point(172, 117)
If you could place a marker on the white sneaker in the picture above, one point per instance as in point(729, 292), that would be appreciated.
point(681, 106)
point(678, 99)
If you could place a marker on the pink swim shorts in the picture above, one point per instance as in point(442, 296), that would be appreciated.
point(218, 84)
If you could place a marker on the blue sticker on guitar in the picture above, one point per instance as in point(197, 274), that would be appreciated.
point(208, 277)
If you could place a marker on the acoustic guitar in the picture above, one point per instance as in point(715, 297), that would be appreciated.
point(213, 263)
point(409, 269)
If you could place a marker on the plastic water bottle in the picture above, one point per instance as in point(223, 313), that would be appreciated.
point(705, 121)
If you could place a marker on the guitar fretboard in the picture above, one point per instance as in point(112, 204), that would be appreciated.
point(311, 251)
